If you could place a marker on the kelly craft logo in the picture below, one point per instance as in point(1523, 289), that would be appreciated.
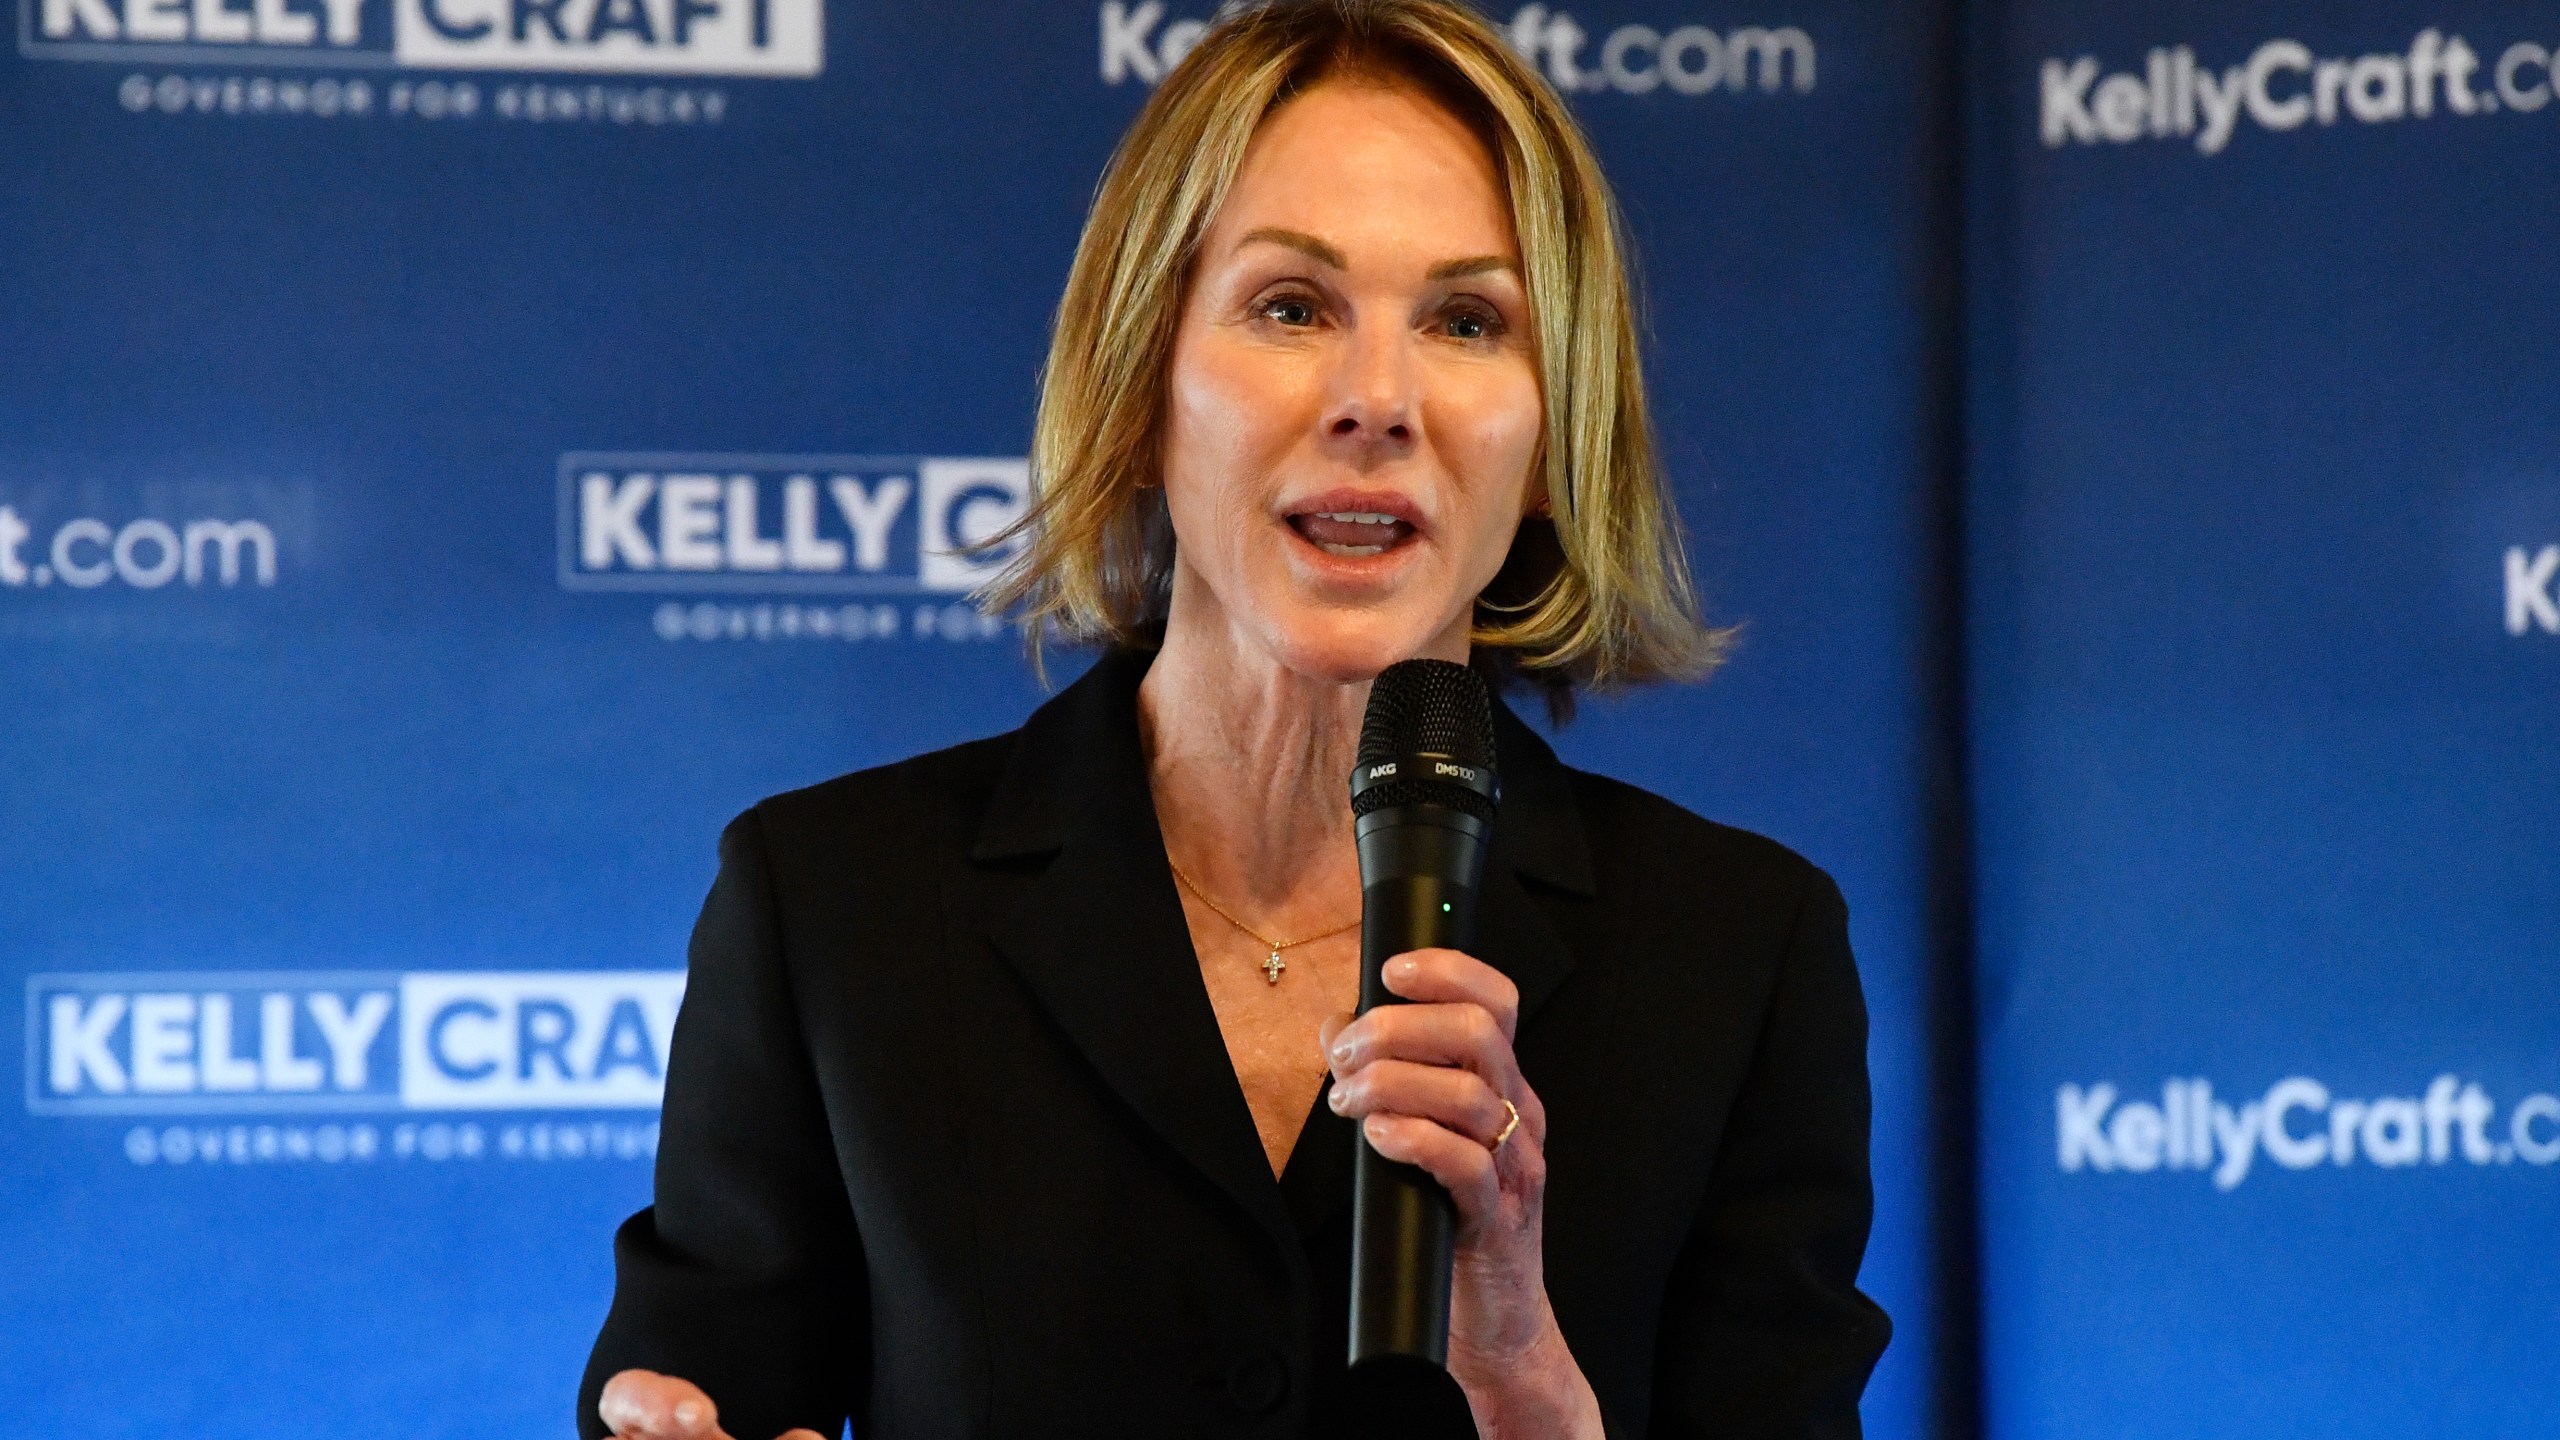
point(848, 547)
point(1142, 41)
point(2299, 1124)
point(785, 524)
point(774, 38)
point(211, 1043)
point(2284, 85)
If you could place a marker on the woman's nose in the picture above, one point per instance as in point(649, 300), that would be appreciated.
point(1374, 402)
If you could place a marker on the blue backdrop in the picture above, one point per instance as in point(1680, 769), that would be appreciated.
point(449, 491)
point(2263, 525)
point(453, 456)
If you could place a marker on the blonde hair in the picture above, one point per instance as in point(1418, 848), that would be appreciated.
point(1598, 592)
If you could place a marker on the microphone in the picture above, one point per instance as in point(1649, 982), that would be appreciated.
point(1423, 796)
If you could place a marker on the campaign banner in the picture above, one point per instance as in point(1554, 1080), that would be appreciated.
point(455, 455)
point(2263, 530)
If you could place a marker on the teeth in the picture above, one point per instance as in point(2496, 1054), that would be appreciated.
point(1389, 527)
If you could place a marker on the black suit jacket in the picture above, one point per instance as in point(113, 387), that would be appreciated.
point(952, 1145)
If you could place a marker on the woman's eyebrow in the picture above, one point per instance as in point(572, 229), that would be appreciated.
point(1299, 241)
point(1326, 255)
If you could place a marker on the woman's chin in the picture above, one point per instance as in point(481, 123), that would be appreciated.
point(1352, 649)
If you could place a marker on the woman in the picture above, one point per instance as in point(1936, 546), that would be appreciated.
point(960, 1126)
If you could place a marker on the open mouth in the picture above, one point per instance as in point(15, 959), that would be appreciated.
point(1351, 534)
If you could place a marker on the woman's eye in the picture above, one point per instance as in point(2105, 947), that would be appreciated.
point(1294, 311)
point(1472, 325)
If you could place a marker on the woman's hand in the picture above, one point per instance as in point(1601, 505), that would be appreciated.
point(645, 1405)
point(1427, 1082)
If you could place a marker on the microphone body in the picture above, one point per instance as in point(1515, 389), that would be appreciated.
point(1423, 796)
point(1418, 891)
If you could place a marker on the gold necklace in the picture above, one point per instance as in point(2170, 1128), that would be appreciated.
point(1272, 966)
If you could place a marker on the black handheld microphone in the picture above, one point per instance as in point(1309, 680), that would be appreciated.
point(1423, 795)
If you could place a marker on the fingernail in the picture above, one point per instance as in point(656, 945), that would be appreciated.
point(687, 1412)
point(1342, 1053)
point(1334, 1099)
point(1407, 967)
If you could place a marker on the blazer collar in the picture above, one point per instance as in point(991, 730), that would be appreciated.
point(1079, 753)
point(1095, 926)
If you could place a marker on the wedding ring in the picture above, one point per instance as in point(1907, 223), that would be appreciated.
point(1497, 1141)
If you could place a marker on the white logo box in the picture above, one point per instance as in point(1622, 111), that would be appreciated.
point(230, 1042)
point(699, 522)
point(780, 39)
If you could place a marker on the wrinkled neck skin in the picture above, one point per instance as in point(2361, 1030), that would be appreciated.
point(1250, 763)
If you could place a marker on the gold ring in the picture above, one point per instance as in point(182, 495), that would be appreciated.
point(1497, 1141)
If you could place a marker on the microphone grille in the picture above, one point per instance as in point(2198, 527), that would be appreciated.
point(1427, 707)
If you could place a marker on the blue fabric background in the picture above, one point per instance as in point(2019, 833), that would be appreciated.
point(2117, 530)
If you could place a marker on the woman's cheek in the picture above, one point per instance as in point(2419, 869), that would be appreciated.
point(1205, 440)
point(1524, 419)
point(1500, 445)
point(1237, 411)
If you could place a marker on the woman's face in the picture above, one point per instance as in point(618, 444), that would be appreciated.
point(1353, 406)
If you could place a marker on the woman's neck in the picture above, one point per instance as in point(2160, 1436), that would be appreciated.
point(1250, 763)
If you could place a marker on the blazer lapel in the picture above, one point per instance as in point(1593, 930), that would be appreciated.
point(1537, 841)
point(1514, 936)
point(1095, 930)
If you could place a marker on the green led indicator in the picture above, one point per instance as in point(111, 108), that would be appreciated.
point(1444, 907)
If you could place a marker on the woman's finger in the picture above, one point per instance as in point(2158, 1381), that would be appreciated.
point(1455, 977)
point(1463, 1166)
point(1430, 1034)
point(645, 1405)
point(1330, 1026)
point(1459, 1100)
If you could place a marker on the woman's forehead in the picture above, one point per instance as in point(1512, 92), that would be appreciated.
point(1363, 168)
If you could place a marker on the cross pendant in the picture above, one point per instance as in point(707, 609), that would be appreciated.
point(1272, 967)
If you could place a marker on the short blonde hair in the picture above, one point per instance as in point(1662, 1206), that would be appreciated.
point(1595, 594)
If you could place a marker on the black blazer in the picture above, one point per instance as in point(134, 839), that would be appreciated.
point(952, 1145)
